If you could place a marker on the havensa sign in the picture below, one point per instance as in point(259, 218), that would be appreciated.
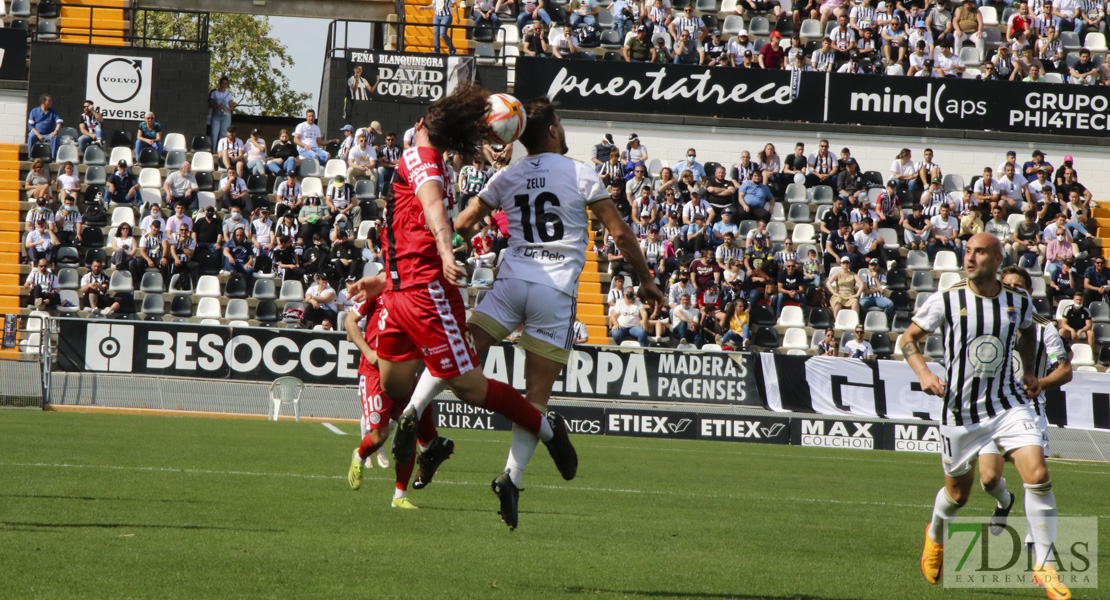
point(873, 100)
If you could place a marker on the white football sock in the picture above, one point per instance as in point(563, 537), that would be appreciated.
point(398, 493)
point(520, 453)
point(1040, 509)
point(427, 388)
point(1001, 496)
point(546, 432)
point(944, 510)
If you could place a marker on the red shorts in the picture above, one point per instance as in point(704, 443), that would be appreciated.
point(427, 322)
point(377, 408)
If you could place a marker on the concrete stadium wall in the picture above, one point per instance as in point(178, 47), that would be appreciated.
point(13, 113)
point(875, 152)
point(179, 97)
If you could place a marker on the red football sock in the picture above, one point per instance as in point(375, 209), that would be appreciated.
point(426, 429)
point(367, 447)
point(503, 399)
point(404, 473)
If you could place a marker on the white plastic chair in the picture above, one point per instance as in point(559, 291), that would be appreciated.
point(208, 286)
point(286, 390)
point(946, 261)
point(803, 234)
point(175, 141)
point(712, 348)
point(948, 280)
point(206, 199)
point(792, 316)
point(1062, 308)
point(150, 178)
point(292, 291)
point(334, 167)
point(795, 339)
point(846, 320)
point(209, 308)
point(311, 186)
point(1082, 355)
point(123, 214)
point(203, 161)
point(121, 153)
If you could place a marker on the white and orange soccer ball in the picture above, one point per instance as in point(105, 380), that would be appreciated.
point(506, 118)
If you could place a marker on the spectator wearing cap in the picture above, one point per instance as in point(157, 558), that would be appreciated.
point(286, 261)
point(687, 51)
point(874, 286)
point(1041, 189)
point(791, 286)
point(341, 202)
point(688, 21)
point(637, 49)
point(849, 183)
point(840, 244)
point(149, 135)
point(233, 192)
point(698, 234)
point(771, 56)
point(347, 143)
point(181, 188)
point(738, 46)
point(1065, 282)
point(755, 199)
point(43, 125)
point(1030, 168)
point(858, 347)
point(933, 197)
point(854, 65)
point(122, 185)
point(695, 206)
point(232, 153)
point(635, 155)
point(602, 151)
point(920, 33)
point(714, 50)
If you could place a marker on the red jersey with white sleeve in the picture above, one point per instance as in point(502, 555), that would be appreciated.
point(370, 309)
point(408, 247)
point(483, 244)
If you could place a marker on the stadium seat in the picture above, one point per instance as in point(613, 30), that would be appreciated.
point(121, 153)
point(948, 280)
point(364, 190)
point(1104, 356)
point(203, 162)
point(876, 322)
point(208, 286)
point(901, 323)
point(173, 285)
point(746, 227)
point(1082, 355)
point(818, 318)
point(895, 70)
point(292, 291)
point(266, 311)
point(68, 279)
point(778, 214)
point(312, 186)
point(205, 181)
point(1100, 312)
point(765, 337)
point(46, 31)
point(68, 153)
point(148, 157)
point(811, 30)
point(208, 308)
point(733, 24)
point(970, 56)
point(954, 183)
point(67, 255)
point(371, 269)
point(121, 282)
point(795, 339)
point(822, 194)
point(236, 309)
point(1102, 334)
point(206, 199)
point(880, 344)
point(364, 230)
point(150, 196)
point(236, 286)
point(1055, 77)
point(791, 316)
point(846, 319)
point(181, 306)
point(150, 179)
point(123, 214)
point(264, 289)
point(94, 155)
point(923, 282)
point(174, 159)
point(201, 143)
point(309, 167)
point(335, 167)
point(96, 254)
point(94, 175)
point(778, 231)
point(256, 186)
point(896, 280)
point(918, 260)
point(919, 301)
point(70, 301)
point(760, 315)
point(799, 213)
point(482, 279)
point(796, 193)
point(174, 141)
point(890, 238)
point(152, 283)
point(901, 300)
point(1040, 288)
point(803, 233)
point(934, 346)
point(40, 151)
point(611, 39)
point(153, 305)
point(238, 323)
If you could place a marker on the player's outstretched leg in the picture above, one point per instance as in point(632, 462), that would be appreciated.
point(436, 450)
point(559, 446)
point(400, 492)
point(426, 390)
point(508, 494)
point(370, 444)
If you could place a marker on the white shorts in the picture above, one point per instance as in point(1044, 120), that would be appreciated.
point(1042, 424)
point(546, 313)
point(1010, 430)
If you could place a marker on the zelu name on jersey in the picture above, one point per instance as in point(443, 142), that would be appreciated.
point(535, 183)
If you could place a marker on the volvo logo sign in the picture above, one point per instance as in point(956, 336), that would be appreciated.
point(119, 86)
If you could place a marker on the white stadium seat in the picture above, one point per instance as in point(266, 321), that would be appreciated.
point(150, 178)
point(334, 167)
point(203, 161)
point(803, 233)
point(846, 319)
point(123, 214)
point(121, 153)
point(175, 141)
point(312, 186)
point(209, 287)
point(948, 280)
point(946, 261)
point(792, 316)
point(209, 308)
point(795, 339)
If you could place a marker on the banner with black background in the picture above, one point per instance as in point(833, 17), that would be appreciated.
point(872, 100)
point(405, 77)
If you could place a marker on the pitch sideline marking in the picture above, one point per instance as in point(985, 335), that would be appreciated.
point(334, 429)
point(483, 484)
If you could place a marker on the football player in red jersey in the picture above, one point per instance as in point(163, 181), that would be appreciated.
point(423, 313)
point(378, 408)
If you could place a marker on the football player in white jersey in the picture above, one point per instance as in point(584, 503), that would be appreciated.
point(1054, 370)
point(545, 196)
point(984, 322)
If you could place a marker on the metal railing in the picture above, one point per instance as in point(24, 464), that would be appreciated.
point(339, 37)
point(144, 27)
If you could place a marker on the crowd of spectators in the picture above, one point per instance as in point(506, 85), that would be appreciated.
point(716, 237)
point(1016, 41)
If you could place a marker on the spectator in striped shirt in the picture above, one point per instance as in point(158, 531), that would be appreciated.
point(728, 251)
point(40, 243)
point(874, 282)
point(787, 253)
point(94, 285)
point(151, 254)
point(842, 37)
point(68, 223)
point(689, 22)
point(823, 59)
point(441, 21)
point(43, 286)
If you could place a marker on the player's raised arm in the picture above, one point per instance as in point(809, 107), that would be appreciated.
point(471, 218)
point(630, 247)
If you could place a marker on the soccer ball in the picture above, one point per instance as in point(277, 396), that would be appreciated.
point(506, 118)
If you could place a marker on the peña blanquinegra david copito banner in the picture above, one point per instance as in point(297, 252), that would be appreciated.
point(405, 76)
point(872, 100)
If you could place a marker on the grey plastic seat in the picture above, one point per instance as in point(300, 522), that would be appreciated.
point(152, 283)
point(154, 304)
point(264, 289)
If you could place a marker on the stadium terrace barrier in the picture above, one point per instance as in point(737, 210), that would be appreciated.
point(870, 100)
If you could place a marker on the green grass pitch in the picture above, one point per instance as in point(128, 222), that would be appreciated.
point(113, 506)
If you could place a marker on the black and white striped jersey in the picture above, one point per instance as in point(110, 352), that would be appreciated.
point(979, 335)
point(1051, 350)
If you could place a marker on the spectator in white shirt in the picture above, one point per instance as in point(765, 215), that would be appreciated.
point(1014, 188)
point(944, 230)
point(362, 161)
point(155, 214)
point(256, 154)
point(263, 232)
point(307, 135)
point(905, 172)
point(858, 347)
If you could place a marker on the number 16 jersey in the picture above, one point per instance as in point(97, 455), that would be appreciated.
point(545, 197)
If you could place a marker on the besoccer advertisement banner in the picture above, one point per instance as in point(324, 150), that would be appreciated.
point(405, 77)
point(873, 100)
